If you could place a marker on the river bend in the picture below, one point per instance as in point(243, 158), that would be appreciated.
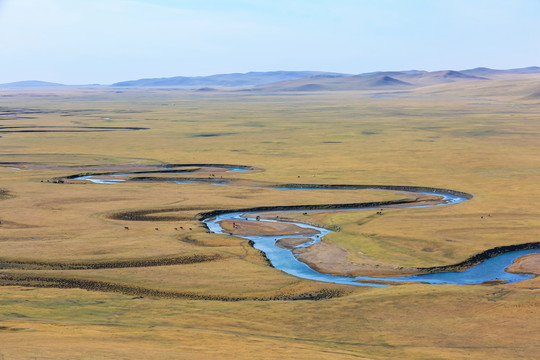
point(491, 269)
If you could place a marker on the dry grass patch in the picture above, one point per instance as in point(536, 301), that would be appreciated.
point(441, 137)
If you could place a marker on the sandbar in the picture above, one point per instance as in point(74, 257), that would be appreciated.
point(263, 228)
point(528, 264)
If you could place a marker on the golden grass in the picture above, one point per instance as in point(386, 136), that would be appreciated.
point(447, 139)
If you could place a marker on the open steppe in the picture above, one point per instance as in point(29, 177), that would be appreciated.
point(81, 279)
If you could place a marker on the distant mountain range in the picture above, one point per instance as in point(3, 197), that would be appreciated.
point(315, 80)
point(229, 80)
point(396, 80)
point(30, 84)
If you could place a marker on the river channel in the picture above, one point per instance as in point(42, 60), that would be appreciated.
point(491, 269)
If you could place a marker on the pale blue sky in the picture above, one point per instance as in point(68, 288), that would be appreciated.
point(104, 41)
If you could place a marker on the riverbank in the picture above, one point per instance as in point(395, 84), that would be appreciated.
point(529, 264)
point(332, 259)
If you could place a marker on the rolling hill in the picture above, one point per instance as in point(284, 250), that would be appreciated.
point(228, 80)
point(312, 81)
point(30, 84)
point(394, 80)
point(400, 80)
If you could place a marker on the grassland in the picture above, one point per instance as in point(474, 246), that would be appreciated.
point(471, 140)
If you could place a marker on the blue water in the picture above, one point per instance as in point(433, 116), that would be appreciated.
point(491, 269)
point(238, 170)
point(286, 261)
point(104, 179)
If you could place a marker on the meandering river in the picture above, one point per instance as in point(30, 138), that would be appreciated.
point(492, 269)
point(284, 259)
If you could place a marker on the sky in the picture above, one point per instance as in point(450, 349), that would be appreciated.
point(106, 41)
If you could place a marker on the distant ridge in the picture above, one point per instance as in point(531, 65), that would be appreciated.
point(229, 80)
point(397, 80)
point(312, 81)
point(30, 84)
point(388, 81)
point(458, 74)
point(483, 71)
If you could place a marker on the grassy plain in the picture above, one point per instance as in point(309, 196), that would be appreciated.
point(486, 144)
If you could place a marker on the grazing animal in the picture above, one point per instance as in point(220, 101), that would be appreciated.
point(157, 228)
point(126, 227)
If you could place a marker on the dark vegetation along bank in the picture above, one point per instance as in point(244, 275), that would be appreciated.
point(166, 169)
point(153, 214)
point(105, 286)
point(60, 129)
point(480, 257)
point(209, 214)
point(129, 263)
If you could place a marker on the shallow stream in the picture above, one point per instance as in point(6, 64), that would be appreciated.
point(492, 269)
point(285, 260)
